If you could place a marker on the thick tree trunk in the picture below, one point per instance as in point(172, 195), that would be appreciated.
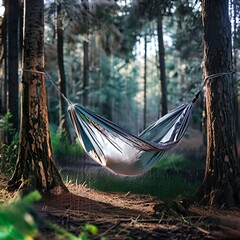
point(13, 61)
point(35, 168)
point(161, 58)
point(63, 126)
point(222, 179)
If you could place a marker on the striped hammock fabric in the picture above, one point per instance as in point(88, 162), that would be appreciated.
point(120, 151)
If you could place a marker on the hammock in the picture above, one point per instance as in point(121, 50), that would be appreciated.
point(122, 152)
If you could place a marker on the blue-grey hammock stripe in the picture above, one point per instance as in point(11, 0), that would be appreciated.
point(122, 152)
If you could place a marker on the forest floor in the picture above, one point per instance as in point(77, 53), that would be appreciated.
point(132, 216)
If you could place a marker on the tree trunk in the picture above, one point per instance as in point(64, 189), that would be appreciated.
point(13, 61)
point(4, 64)
point(85, 73)
point(85, 85)
point(63, 126)
point(20, 32)
point(222, 176)
point(145, 84)
point(4, 55)
point(235, 53)
point(105, 81)
point(35, 167)
point(161, 59)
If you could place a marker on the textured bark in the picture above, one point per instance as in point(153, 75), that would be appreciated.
point(35, 167)
point(13, 61)
point(63, 126)
point(222, 177)
point(161, 58)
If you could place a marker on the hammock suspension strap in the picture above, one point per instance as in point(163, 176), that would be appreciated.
point(120, 151)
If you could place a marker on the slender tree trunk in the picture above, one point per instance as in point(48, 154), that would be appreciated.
point(2, 79)
point(3, 90)
point(4, 63)
point(105, 82)
point(63, 127)
point(236, 103)
point(20, 32)
point(85, 59)
point(221, 183)
point(35, 168)
point(145, 84)
point(4, 57)
point(106, 78)
point(163, 82)
point(85, 73)
point(13, 17)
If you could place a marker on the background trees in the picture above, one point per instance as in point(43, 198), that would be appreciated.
point(114, 33)
point(117, 29)
point(98, 47)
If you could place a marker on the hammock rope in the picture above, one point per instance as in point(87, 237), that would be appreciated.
point(120, 151)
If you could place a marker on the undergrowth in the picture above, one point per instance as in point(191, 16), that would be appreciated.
point(179, 162)
point(63, 148)
point(8, 152)
point(167, 180)
point(19, 221)
point(8, 156)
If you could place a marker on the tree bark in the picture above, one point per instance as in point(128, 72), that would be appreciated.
point(145, 84)
point(105, 82)
point(12, 65)
point(85, 73)
point(85, 85)
point(161, 58)
point(235, 53)
point(35, 167)
point(4, 55)
point(222, 176)
point(63, 126)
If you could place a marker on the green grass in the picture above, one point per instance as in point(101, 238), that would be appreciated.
point(179, 162)
point(155, 182)
point(62, 147)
